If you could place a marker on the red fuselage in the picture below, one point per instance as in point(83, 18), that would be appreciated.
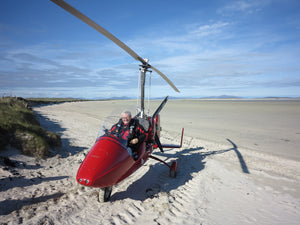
point(108, 162)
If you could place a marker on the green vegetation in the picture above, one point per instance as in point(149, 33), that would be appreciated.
point(53, 100)
point(20, 129)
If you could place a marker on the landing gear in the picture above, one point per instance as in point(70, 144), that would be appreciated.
point(173, 167)
point(104, 194)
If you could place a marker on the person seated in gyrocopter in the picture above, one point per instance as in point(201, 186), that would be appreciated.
point(129, 132)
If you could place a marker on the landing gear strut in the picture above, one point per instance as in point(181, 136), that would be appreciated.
point(173, 167)
point(104, 194)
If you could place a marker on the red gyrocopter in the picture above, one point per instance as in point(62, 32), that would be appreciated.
point(109, 162)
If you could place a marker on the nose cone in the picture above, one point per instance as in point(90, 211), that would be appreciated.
point(105, 164)
point(91, 167)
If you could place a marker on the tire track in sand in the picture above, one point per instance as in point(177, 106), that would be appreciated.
point(185, 196)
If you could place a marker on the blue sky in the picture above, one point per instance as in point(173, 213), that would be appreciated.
point(248, 48)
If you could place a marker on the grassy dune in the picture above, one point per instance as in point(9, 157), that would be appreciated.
point(52, 100)
point(20, 129)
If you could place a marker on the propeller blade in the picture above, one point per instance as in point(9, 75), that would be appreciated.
point(162, 104)
point(165, 78)
point(97, 27)
point(158, 142)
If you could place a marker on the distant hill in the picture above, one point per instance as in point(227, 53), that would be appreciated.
point(222, 97)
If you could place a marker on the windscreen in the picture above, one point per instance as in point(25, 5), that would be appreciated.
point(111, 126)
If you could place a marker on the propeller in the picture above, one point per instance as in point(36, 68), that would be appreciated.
point(158, 142)
point(162, 104)
point(160, 107)
point(110, 36)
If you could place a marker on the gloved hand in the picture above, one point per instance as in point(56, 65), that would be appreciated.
point(134, 141)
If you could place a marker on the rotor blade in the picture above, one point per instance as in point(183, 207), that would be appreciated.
point(97, 27)
point(165, 78)
point(110, 36)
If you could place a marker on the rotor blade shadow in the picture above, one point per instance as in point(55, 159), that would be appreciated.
point(156, 179)
point(235, 149)
point(240, 157)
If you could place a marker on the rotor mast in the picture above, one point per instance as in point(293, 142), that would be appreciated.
point(144, 68)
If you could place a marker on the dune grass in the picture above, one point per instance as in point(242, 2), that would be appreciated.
point(53, 100)
point(20, 129)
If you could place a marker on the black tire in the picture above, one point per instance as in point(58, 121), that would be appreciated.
point(173, 173)
point(104, 194)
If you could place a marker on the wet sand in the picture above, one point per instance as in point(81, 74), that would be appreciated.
point(267, 126)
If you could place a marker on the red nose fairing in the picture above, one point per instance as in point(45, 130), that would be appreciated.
point(106, 164)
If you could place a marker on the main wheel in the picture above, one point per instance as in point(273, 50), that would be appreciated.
point(104, 194)
point(173, 169)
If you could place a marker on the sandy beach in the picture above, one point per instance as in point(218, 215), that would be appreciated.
point(239, 164)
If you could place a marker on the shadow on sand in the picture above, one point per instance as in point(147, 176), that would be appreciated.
point(8, 206)
point(20, 181)
point(239, 155)
point(156, 179)
point(235, 149)
point(67, 149)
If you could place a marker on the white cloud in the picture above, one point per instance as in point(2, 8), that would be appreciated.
point(209, 29)
point(217, 54)
point(243, 6)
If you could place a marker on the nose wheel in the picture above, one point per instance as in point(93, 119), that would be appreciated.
point(104, 194)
